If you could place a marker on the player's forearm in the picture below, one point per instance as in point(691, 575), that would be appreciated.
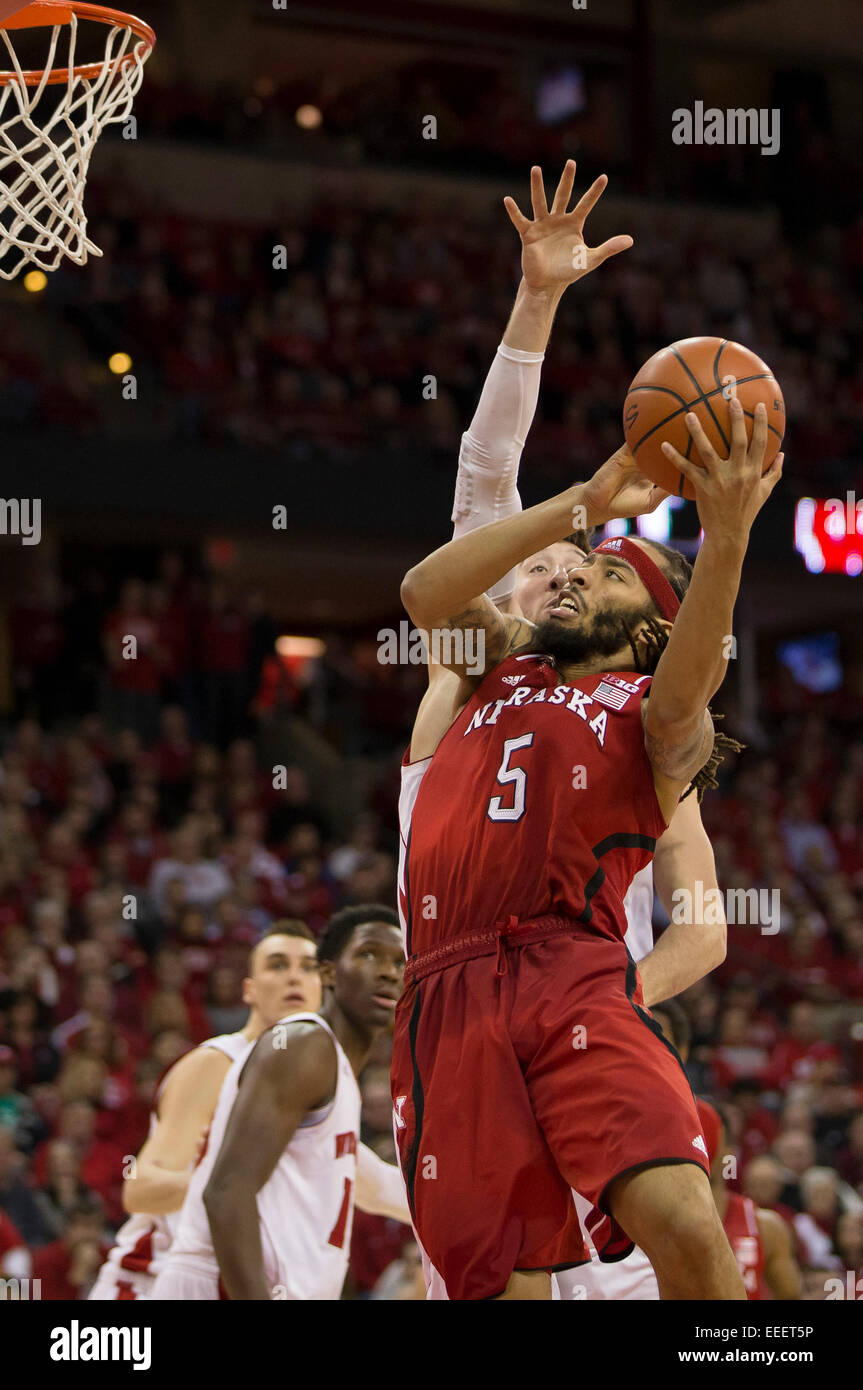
point(684, 954)
point(530, 322)
point(449, 579)
point(491, 446)
point(154, 1191)
point(693, 665)
point(232, 1212)
point(380, 1189)
point(784, 1280)
point(684, 875)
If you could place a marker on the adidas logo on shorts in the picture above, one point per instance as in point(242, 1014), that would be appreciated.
point(698, 1143)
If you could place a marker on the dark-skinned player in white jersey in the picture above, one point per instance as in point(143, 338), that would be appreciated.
point(280, 1188)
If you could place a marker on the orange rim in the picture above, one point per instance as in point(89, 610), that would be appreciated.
point(47, 13)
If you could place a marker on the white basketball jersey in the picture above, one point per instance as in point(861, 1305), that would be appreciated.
point(142, 1242)
point(638, 906)
point(631, 1279)
point(305, 1207)
point(412, 775)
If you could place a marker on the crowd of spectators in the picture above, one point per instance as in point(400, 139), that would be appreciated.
point(498, 119)
point(145, 846)
point(201, 644)
point(486, 120)
point(332, 353)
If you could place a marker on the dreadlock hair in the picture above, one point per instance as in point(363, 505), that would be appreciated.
point(678, 572)
point(706, 778)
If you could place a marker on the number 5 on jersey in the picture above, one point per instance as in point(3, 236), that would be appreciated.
point(506, 775)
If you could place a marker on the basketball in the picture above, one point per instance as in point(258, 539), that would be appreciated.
point(698, 375)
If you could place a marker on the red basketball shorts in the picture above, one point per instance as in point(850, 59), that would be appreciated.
point(517, 1077)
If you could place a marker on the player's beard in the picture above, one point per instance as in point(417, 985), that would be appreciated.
point(604, 634)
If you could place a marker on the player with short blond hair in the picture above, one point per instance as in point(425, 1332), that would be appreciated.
point(283, 976)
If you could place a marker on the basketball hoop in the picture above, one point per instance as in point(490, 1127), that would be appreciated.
point(45, 143)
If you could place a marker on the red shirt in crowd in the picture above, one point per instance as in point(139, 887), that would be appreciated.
point(143, 674)
point(224, 642)
point(52, 1265)
point(793, 1061)
point(9, 1238)
point(174, 759)
point(376, 1241)
point(101, 1170)
point(759, 1130)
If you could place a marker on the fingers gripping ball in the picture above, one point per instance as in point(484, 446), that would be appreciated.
point(698, 375)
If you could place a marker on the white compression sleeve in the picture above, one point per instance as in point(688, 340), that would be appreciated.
point(491, 448)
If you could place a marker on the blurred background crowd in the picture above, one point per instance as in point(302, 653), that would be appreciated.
point(377, 289)
point(329, 352)
point(298, 300)
point(153, 782)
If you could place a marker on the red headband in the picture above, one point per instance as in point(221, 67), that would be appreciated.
point(648, 572)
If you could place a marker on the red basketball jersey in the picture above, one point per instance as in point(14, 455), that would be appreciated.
point(744, 1237)
point(539, 800)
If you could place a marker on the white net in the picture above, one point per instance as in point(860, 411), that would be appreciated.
point(47, 135)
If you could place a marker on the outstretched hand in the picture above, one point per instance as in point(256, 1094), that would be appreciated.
point(729, 493)
point(554, 253)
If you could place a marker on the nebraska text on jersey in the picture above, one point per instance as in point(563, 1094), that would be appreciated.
point(539, 799)
point(569, 696)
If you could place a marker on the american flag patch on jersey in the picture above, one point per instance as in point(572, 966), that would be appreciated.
point(610, 695)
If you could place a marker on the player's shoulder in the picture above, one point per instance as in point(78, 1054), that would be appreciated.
point(497, 643)
point(303, 1040)
point(200, 1061)
point(772, 1227)
point(230, 1045)
point(295, 1057)
point(518, 663)
point(193, 1074)
point(516, 634)
point(624, 692)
